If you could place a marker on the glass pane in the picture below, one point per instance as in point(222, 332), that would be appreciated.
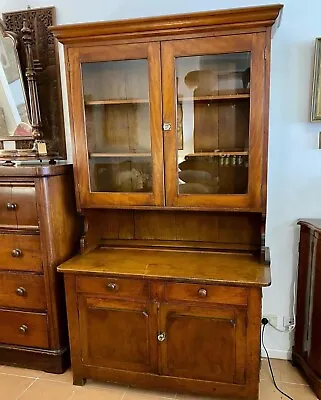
point(116, 95)
point(213, 107)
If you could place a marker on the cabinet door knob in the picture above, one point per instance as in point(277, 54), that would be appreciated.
point(161, 337)
point(11, 206)
point(202, 292)
point(16, 253)
point(113, 287)
point(21, 291)
point(23, 329)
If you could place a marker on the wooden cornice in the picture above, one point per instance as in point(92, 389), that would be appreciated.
point(238, 18)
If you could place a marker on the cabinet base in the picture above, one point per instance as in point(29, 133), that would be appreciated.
point(313, 379)
point(53, 361)
point(166, 383)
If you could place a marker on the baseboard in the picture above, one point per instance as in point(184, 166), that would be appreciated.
point(54, 361)
point(280, 354)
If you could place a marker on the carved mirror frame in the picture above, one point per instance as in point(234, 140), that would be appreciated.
point(36, 147)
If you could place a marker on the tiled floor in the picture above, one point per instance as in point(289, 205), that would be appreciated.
point(23, 384)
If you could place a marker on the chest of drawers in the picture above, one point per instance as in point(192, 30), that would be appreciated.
point(38, 230)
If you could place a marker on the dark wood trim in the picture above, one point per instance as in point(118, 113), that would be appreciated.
point(250, 17)
point(36, 170)
point(53, 361)
point(311, 223)
point(313, 379)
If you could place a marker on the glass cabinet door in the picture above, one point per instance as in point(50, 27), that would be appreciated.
point(120, 109)
point(210, 150)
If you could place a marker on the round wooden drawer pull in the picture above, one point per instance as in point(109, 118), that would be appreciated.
point(16, 253)
point(113, 287)
point(202, 292)
point(11, 206)
point(23, 329)
point(21, 291)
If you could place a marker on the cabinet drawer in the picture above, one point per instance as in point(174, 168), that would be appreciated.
point(24, 328)
point(113, 287)
point(18, 208)
point(22, 291)
point(206, 293)
point(20, 252)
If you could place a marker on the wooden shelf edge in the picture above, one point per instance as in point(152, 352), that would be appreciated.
point(118, 155)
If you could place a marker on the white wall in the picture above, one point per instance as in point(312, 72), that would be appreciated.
point(294, 189)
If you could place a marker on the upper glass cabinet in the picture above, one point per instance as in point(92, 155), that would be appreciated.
point(213, 108)
point(170, 123)
point(120, 125)
point(213, 147)
point(116, 95)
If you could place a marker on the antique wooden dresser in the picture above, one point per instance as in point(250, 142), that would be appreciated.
point(307, 339)
point(38, 230)
point(169, 120)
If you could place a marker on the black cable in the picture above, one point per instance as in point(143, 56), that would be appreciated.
point(269, 362)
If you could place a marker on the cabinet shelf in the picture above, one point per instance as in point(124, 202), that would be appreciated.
point(218, 154)
point(116, 155)
point(215, 97)
point(235, 96)
point(115, 102)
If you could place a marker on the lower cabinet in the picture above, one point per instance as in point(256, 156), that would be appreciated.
point(127, 331)
point(203, 343)
point(117, 334)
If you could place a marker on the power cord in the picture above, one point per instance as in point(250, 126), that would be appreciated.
point(265, 321)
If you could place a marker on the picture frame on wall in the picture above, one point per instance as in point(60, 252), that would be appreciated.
point(316, 83)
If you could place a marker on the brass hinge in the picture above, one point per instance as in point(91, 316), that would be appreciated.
point(264, 53)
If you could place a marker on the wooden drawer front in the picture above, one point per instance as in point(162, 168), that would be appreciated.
point(114, 287)
point(24, 196)
point(18, 207)
point(7, 217)
point(20, 252)
point(206, 293)
point(24, 328)
point(22, 291)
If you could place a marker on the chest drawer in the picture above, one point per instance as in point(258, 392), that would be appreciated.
point(22, 291)
point(24, 328)
point(206, 293)
point(113, 287)
point(20, 252)
point(18, 207)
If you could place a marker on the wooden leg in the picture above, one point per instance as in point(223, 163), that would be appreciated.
point(79, 380)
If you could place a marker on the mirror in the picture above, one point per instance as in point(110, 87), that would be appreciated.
point(20, 120)
point(14, 109)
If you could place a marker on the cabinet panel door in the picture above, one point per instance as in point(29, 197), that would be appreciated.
point(203, 343)
point(117, 124)
point(213, 99)
point(117, 334)
point(314, 310)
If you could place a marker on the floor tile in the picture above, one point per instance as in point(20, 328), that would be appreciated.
point(133, 393)
point(48, 390)
point(268, 391)
point(288, 373)
point(298, 392)
point(265, 373)
point(29, 373)
point(12, 386)
point(66, 377)
point(92, 390)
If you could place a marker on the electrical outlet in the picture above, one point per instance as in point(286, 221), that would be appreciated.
point(273, 319)
point(288, 321)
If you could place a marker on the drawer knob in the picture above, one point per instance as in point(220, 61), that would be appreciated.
point(23, 329)
point(21, 291)
point(16, 253)
point(161, 336)
point(202, 292)
point(113, 287)
point(11, 206)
